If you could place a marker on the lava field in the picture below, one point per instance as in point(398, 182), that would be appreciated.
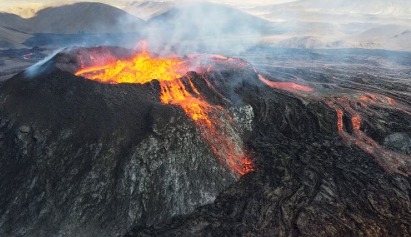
point(272, 142)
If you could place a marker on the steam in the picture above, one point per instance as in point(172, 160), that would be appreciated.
point(204, 27)
point(38, 68)
point(187, 28)
point(198, 27)
point(201, 27)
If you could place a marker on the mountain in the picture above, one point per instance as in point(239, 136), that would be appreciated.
point(208, 18)
point(148, 9)
point(10, 38)
point(380, 7)
point(30, 10)
point(85, 17)
point(391, 37)
point(338, 24)
point(101, 158)
point(95, 18)
point(393, 7)
point(13, 30)
point(206, 27)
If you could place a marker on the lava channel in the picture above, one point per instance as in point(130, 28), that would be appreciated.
point(391, 161)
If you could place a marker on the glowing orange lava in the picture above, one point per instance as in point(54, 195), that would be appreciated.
point(356, 122)
point(391, 161)
point(375, 99)
point(140, 69)
point(211, 120)
point(26, 56)
point(288, 86)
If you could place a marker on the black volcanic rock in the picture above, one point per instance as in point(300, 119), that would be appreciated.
point(309, 181)
point(398, 141)
point(329, 146)
point(307, 184)
point(82, 158)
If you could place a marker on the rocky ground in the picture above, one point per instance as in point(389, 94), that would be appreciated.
point(310, 179)
point(13, 61)
point(330, 144)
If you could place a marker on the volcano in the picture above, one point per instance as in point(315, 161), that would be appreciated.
point(109, 141)
point(151, 140)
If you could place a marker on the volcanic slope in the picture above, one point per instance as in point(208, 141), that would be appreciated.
point(332, 143)
point(83, 158)
point(329, 132)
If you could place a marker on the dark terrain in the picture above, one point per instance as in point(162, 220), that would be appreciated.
point(82, 39)
point(81, 158)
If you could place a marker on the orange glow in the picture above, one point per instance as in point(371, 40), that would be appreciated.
point(374, 99)
point(391, 161)
point(140, 69)
point(356, 122)
point(340, 124)
point(217, 56)
point(26, 56)
point(211, 120)
point(287, 86)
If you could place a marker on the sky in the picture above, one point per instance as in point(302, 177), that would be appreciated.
point(7, 4)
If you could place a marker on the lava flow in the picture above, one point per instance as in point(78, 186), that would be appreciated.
point(213, 121)
point(287, 86)
point(391, 161)
point(355, 106)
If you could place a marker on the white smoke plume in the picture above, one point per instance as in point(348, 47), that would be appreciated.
point(36, 69)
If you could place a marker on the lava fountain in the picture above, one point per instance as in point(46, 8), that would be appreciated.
point(143, 68)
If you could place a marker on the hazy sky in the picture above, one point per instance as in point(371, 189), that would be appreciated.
point(6, 4)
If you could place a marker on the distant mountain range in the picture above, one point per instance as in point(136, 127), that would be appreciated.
point(67, 19)
point(380, 7)
point(396, 7)
point(148, 9)
point(206, 20)
point(383, 24)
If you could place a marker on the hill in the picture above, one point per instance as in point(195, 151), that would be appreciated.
point(85, 17)
point(380, 7)
point(148, 9)
point(208, 19)
point(90, 18)
point(208, 27)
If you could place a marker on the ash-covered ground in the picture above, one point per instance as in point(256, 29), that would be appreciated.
point(328, 131)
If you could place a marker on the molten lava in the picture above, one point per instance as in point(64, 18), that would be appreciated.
point(140, 69)
point(356, 106)
point(391, 161)
point(211, 120)
point(27, 56)
point(287, 86)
